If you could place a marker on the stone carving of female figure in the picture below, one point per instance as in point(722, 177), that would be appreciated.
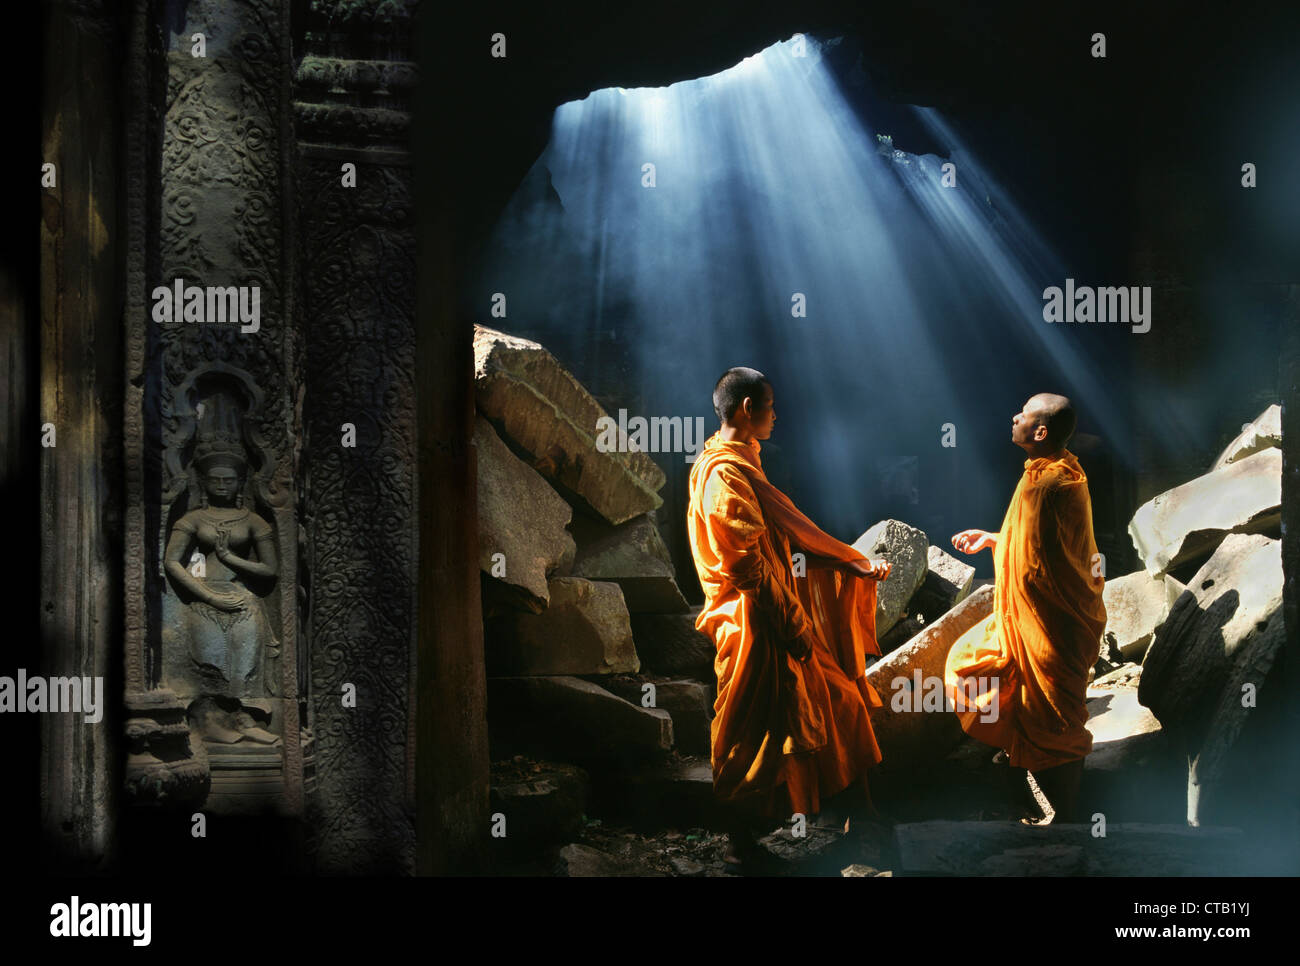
point(225, 622)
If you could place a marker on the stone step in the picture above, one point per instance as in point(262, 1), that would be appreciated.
point(669, 644)
point(569, 719)
point(632, 555)
point(687, 701)
point(585, 630)
point(677, 793)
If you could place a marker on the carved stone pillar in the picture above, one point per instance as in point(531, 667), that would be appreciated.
point(352, 106)
point(212, 434)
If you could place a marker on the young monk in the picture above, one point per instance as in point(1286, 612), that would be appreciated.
point(791, 724)
point(1048, 615)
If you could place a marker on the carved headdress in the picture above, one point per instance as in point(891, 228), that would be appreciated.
point(220, 449)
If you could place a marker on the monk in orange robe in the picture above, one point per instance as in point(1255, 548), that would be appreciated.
point(791, 725)
point(1048, 617)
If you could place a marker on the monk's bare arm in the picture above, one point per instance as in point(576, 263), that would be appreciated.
point(863, 567)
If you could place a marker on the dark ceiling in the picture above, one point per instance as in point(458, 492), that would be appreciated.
point(1186, 86)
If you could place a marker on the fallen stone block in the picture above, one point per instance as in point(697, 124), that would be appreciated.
point(1263, 432)
point(571, 719)
point(907, 550)
point(542, 802)
point(901, 633)
point(632, 555)
point(546, 412)
point(1204, 671)
point(1009, 848)
point(522, 538)
point(689, 702)
point(911, 739)
point(585, 630)
point(1232, 603)
point(1216, 778)
point(947, 583)
point(1136, 605)
point(669, 644)
point(1188, 522)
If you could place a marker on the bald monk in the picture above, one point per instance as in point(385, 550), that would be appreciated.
point(791, 725)
point(1048, 616)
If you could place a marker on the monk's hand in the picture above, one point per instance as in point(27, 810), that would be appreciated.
point(872, 569)
point(973, 541)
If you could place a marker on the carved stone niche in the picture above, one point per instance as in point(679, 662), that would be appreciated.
point(223, 687)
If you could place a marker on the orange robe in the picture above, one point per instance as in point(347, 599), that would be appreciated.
point(786, 732)
point(1045, 630)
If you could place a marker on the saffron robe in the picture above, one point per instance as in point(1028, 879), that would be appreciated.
point(1045, 631)
point(786, 732)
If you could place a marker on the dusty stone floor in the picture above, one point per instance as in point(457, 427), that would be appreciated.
point(661, 819)
point(693, 853)
point(967, 786)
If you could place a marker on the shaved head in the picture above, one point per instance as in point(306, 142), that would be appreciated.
point(732, 388)
point(1056, 413)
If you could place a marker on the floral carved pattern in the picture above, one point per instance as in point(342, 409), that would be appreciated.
point(359, 303)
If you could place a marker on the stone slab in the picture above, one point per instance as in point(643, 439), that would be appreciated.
point(1187, 523)
point(545, 411)
point(521, 522)
point(907, 550)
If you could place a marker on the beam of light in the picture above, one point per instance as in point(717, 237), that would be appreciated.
point(1007, 251)
point(924, 303)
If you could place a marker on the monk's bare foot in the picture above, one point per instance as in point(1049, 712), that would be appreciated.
point(831, 820)
point(867, 817)
point(1059, 787)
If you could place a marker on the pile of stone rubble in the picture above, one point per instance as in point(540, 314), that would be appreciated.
point(600, 690)
point(1185, 711)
